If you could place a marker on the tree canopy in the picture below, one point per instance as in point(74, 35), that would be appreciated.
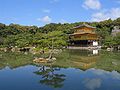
point(22, 36)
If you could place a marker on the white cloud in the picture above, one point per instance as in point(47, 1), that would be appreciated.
point(92, 84)
point(100, 16)
point(63, 21)
point(115, 12)
point(45, 19)
point(92, 4)
point(46, 10)
point(104, 15)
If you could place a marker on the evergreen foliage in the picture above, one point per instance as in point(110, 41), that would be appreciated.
point(22, 36)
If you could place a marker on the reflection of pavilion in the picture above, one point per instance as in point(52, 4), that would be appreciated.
point(95, 52)
point(86, 62)
point(90, 52)
point(84, 58)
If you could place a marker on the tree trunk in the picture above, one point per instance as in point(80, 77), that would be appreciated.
point(50, 56)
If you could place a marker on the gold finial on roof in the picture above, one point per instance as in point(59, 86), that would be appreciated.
point(84, 23)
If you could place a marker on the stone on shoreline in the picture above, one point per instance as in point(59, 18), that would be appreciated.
point(43, 60)
point(40, 60)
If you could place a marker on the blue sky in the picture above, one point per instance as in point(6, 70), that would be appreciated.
point(41, 12)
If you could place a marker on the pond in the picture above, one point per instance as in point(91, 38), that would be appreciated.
point(73, 70)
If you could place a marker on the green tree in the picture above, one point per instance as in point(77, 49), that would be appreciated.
point(10, 41)
point(108, 41)
point(117, 39)
point(23, 40)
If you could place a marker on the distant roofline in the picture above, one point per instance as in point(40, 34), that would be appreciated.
point(84, 25)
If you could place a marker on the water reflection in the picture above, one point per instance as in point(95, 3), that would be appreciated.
point(92, 84)
point(94, 71)
point(50, 77)
point(98, 79)
point(75, 79)
point(113, 74)
point(95, 52)
point(54, 78)
point(83, 59)
point(85, 52)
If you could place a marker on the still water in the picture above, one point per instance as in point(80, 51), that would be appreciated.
point(73, 70)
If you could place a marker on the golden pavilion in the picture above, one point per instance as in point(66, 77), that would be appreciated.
point(84, 35)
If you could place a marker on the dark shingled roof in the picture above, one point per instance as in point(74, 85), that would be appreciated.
point(84, 25)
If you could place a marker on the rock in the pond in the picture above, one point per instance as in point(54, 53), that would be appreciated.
point(109, 49)
point(40, 60)
point(53, 59)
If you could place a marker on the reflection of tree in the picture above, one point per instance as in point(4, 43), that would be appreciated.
point(50, 78)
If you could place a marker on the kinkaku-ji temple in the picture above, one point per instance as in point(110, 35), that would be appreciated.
point(84, 35)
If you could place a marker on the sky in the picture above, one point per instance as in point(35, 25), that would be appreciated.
point(41, 12)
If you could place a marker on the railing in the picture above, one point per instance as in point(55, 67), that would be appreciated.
point(82, 31)
point(84, 38)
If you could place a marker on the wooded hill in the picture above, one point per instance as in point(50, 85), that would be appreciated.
point(22, 36)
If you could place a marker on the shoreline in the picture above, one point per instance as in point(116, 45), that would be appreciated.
point(84, 48)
